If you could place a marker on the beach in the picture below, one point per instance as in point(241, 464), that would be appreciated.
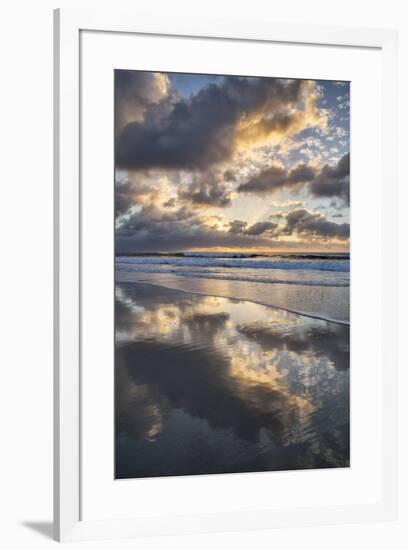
point(211, 383)
point(313, 285)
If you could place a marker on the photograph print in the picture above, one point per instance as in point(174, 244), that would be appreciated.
point(232, 197)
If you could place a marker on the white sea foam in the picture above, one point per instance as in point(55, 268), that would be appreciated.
point(257, 262)
point(236, 276)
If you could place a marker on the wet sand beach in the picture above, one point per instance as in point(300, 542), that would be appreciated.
point(205, 384)
point(325, 299)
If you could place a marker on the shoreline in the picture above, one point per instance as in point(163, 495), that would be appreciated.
point(119, 279)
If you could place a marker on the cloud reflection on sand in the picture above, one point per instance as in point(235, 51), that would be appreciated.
point(206, 385)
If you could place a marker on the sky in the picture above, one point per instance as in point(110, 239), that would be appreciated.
point(231, 163)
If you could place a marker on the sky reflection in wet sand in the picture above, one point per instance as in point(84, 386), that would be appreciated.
point(211, 385)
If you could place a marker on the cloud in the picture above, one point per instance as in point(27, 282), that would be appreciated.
point(151, 217)
point(153, 230)
point(299, 222)
point(156, 212)
point(229, 175)
point(123, 197)
point(305, 223)
point(208, 189)
point(179, 157)
point(206, 128)
point(142, 189)
point(182, 230)
point(275, 178)
point(281, 207)
point(171, 203)
point(135, 93)
point(153, 224)
point(327, 181)
point(333, 181)
point(260, 228)
point(237, 226)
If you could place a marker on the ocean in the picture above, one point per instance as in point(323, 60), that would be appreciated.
point(315, 285)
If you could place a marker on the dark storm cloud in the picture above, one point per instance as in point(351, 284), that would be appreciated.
point(333, 181)
point(200, 131)
point(276, 178)
point(301, 173)
point(237, 226)
point(158, 229)
point(298, 222)
point(135, 92)
point(229, 175)
point(302, 222)
point(328, 181)
point(135, 191)
point(259, 228)
point(123, 198)
point(154, 230)
point(207, 190)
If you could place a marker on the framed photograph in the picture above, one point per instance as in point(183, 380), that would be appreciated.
point(225, 275)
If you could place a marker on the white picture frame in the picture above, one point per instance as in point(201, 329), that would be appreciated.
point(68, 525)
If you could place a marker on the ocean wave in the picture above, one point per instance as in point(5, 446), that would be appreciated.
point(206, 274)
point(298, 256)
point(217, 255)
point(258, 262)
